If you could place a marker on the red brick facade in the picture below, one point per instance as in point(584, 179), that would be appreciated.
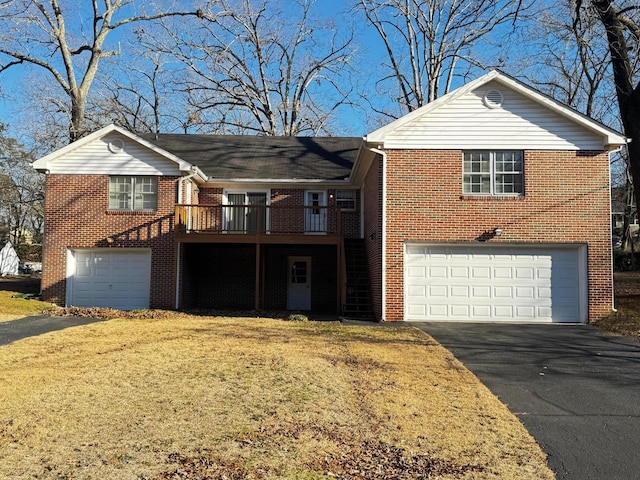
point(566, 201)
point(77, 217)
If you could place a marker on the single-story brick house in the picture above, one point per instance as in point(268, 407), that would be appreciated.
point(491, 203)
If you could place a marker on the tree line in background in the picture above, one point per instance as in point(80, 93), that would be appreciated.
point(287, 68)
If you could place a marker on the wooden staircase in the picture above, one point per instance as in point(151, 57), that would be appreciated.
point(357, 303)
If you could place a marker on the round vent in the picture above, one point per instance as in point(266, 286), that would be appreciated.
point(116, 145)
point(493, 99)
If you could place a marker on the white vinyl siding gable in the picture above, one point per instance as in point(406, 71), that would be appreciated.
point(467, 123)
point(97, 158)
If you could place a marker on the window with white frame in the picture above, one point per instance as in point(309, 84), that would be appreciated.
point(133, 193)
point(346, 199)
point(493, 173)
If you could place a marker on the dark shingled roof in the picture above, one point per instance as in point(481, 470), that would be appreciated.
point(253, 157)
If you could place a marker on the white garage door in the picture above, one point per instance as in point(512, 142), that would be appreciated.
point(484, 283)
point(107, 278)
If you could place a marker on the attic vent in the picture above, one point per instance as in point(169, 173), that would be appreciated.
point(116, 145)
point(493, 98)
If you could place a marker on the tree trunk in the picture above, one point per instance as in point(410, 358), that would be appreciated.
point(628, 96)
point(76, 130)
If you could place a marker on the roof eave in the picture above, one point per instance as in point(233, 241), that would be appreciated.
point(213, 181)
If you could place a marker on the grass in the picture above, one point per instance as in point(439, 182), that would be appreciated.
point(210, 397)
point(14, 308)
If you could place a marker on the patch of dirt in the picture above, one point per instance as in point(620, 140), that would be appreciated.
point(627, 284)
point(355, 461)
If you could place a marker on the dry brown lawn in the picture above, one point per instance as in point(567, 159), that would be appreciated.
point(626, 319)
point(221, 398)
point(13, 308)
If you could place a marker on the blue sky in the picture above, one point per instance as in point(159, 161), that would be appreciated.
point(370, 53)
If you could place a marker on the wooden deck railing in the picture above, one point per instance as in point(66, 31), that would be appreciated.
point(258, 219)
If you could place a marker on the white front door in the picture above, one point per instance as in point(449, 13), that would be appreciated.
point(316, 212)
point(299, 284)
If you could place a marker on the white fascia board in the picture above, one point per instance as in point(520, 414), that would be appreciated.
point(42, 164)
point(289, 183)
point(357, 164)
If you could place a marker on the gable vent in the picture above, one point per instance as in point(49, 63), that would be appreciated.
point(116, 145)
point(493, 98)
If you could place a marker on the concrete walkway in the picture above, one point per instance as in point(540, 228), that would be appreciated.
point(576, 389)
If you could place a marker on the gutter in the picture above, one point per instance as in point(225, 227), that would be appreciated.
point(613, 295)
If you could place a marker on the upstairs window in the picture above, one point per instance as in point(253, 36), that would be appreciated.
point(346, 199)
point(493, 173)
point(133, 193)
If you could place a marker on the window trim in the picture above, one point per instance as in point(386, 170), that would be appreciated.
point(132, 194)
point(354, 200)
point(492, 174)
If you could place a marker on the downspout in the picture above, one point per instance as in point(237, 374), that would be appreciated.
point(181, 181)
point(383, 233)
point(613, 293)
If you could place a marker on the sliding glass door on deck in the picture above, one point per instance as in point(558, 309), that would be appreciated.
point(246, 212)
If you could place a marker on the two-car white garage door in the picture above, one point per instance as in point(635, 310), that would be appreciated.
point(495, 283)
point(109, 278)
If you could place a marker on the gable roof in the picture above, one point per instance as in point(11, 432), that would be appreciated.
point(609, 137)
point(251, 158)
point(44, 163)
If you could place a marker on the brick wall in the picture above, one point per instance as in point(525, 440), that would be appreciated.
point(566, 201)
point(77, 217)
point(372, 213)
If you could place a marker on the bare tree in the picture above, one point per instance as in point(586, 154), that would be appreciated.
point(21, 195)
point(569, 52)
point(68, 40)
point(623, 40)
point(425, 42)
point(259, 66)
point(136, 97)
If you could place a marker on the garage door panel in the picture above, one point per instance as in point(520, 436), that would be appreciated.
point(527, 283)
point(118, 280)
point(483, 291)
point(460, 310)
point(481, 272)
point(502, 272)
point(504, 312)
point(437, 272)
point(436, 310)
point(459, 272)
point(436, 291)
point(460, 291)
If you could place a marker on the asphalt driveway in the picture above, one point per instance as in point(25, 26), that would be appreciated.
point(37, 325)
point(576, 389)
